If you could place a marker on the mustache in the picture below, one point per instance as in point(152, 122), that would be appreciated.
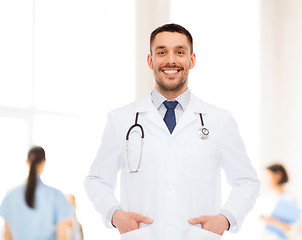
point(172, 66)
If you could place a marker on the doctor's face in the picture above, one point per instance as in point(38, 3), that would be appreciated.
point(171, 59)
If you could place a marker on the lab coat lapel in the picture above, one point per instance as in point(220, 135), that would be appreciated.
point(147, 110)
point(192, 111)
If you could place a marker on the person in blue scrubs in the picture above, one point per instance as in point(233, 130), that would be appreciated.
point(35, 211)
point(285, 212)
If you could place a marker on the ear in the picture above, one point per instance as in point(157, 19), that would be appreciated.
point(150, 61)
point(279, 175)
point(192, 60)
point(41, 166)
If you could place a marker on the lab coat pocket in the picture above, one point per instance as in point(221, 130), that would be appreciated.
point(138, 234)
point(196, 233)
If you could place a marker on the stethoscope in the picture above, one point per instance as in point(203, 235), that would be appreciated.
point(203, 133)
point(142, 143)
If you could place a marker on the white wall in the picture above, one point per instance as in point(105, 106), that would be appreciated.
point(281, 84)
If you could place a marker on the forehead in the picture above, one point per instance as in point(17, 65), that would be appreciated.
point(170, 40)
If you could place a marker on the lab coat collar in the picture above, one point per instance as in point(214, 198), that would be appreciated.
point(144, 105)
point(195, 105)
point(147, 108)
point(190, 115)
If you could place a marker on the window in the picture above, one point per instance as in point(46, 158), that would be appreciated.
point(64, 65)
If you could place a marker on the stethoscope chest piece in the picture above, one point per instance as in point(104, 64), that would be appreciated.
point(203, 133)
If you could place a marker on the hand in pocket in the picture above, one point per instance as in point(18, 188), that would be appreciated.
point(128, 221)
point(215, 224)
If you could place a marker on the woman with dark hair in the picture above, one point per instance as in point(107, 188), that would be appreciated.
point(35, 211)
point(278, 176)
point(285, 212)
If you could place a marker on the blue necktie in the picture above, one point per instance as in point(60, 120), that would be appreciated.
point(169, 117)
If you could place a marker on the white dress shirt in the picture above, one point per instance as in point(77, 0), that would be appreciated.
point(183, 101)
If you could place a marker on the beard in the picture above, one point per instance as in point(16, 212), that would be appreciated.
point(174, 85)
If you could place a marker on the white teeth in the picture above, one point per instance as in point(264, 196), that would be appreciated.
point(170, 71)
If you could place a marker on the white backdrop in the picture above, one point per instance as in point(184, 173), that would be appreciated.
point(65, 63)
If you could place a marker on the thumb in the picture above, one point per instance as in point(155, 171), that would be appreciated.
point(198, 220)
point(144, 219)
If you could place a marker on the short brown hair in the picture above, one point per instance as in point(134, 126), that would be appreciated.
point(278, 168)
point(172, 27)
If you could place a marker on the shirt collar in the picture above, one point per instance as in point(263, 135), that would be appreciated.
point(158, 99)
point(39, 179)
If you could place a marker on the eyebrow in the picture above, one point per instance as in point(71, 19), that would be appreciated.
point(159, 47)
point(178, 47)
point(182, 47)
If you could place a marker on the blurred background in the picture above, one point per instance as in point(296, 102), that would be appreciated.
point(65, 63)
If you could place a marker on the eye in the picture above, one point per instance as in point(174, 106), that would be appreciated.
point(161, 53)
point(180, 53)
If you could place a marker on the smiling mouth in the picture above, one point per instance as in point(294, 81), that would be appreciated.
point(170, 71)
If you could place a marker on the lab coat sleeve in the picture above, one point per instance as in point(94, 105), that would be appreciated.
point(239, 172)
point(101, 182)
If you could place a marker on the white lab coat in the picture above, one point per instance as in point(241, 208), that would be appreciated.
point(180, 172)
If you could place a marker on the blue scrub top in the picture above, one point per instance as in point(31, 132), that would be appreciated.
point(37, 223)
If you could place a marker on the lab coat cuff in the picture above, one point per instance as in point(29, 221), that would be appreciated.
point(110, 215)
point(229, 217)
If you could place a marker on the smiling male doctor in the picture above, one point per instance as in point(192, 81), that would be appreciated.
point(176, 194)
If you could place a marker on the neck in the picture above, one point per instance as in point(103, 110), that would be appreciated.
point(171, 94)
point(279, 189)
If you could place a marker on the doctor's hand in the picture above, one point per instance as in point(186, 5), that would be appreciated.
point(128, 221)
point(216, 224)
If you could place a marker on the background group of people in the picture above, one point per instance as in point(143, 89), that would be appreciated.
point(35, 210)
point(280, 212)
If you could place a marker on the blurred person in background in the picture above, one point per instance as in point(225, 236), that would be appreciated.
point(281, 210)
point(74, 228)
point(35, 211)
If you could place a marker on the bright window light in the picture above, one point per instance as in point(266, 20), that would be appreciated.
point(64, 65)
point(16, 53)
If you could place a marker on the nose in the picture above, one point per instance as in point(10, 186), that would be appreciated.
point(171, 58)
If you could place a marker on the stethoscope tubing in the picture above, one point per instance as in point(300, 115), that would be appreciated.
point(135, 125)
point(142, 142)
point(202, 132)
